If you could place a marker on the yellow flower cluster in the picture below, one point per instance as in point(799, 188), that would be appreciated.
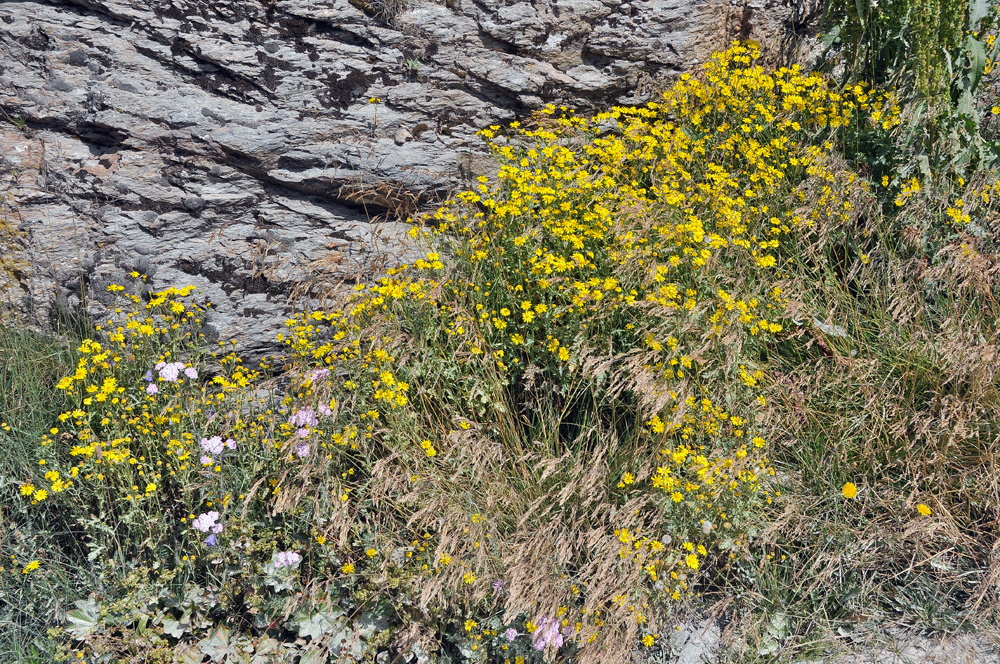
point(654, 234)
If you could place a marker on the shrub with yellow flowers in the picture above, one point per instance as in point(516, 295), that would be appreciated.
point(539, 436)
point(566, 379)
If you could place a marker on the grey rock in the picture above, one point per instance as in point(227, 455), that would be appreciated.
point(697, 643)
point(60, 85)
point(77, 58)
point(402, 136)
point(206, 129)
point(193, 202)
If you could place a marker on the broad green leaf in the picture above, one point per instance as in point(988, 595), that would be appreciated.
point(830, 36)
point(270, 651)
point(187, 653)
point(978, 10)
point(967, 109)
point(216, 645)
point(175, 628)
point(83, 619)
point(977, 58)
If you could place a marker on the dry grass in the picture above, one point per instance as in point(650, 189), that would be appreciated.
point(890, 381)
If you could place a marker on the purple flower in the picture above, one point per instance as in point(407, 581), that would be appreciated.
point(212, 445)
point(286, 559)
point(207, 522)
point(210, 540)
point(498, 586)
point(230, 443)
point(319, 374)
point(304, 417)
point(191, 373)
point(148, 377)
point(152, 388)
point(546, 634)
point(206, 461)
point(324, 410)
point(510, 634)
point(169, 372)
point(302, 449)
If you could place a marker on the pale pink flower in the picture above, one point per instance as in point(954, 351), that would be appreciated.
point(546, 634)
point(212, 445)
point(207, 522)
point(286, 559)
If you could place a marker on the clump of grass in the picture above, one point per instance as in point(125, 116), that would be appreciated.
point(888, 381)
point(383, 10)
point(30, 366)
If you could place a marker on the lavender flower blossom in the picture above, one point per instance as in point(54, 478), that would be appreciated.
point(510, 634)
point(304, 417)
point(191, 373)
point(547, 634)
point(213, 445)
point(152, 388)
point(169, 372)
point(286, 559)
point(207, 522)
point(302, 450)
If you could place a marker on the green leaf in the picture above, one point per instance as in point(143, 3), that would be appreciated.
point(216, 645)
point(326, 620)
point(188, 653)
point(978, 10)
point(924, 165)
point(83, 619)
point(830, 36)
point(175, 628)
point(967, 109)
point(862, 6)
point(977, 58)
point(270, 651)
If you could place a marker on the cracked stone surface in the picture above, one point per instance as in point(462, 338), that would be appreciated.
point(233, 146)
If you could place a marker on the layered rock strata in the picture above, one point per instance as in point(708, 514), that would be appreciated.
point(266, 150)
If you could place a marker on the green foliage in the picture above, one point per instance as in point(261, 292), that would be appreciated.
point(30, 366)
point(936, 54)
point(884, 39)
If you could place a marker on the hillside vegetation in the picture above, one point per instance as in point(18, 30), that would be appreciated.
point(728, 350)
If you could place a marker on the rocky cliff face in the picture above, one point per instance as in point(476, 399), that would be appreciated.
point(233, 145)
